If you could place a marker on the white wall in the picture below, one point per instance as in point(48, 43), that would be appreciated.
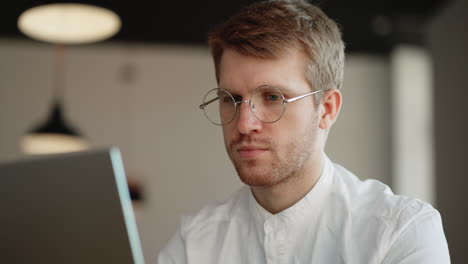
point(361, 138)
point(412, 97)
point(144, 99)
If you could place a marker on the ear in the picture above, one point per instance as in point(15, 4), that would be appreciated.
point(330, 105)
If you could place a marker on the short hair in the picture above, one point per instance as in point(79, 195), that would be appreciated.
point(266, 29)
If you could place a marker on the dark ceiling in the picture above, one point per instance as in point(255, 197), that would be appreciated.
point(368, 26)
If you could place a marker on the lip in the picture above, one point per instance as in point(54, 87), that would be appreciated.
point(250, 152)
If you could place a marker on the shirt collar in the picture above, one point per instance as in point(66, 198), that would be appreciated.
point(309, 206)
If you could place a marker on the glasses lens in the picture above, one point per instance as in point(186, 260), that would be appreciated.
point(267, 104)
point(219, 106)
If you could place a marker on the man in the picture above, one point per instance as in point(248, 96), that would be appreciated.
point(279, 68)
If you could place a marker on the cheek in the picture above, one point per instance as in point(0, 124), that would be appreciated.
point(302, 113)
point(227, 134)
point(293, 121)
point(295, 125)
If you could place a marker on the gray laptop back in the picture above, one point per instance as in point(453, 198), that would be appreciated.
point(69, 208)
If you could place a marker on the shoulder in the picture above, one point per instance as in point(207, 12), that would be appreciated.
point(234, 208)
point(375, 198)
point(400, 225)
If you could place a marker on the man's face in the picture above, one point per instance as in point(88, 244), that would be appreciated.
point(265, 154)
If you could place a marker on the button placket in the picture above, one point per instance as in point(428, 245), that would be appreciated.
point(275, 236)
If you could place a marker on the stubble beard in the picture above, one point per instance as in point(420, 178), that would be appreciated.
point(286, 162)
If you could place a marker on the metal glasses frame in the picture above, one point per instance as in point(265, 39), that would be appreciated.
point(236, 103)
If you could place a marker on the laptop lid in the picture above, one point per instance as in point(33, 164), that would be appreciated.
point(67, 208)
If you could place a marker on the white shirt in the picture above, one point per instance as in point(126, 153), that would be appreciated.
point(341, 220)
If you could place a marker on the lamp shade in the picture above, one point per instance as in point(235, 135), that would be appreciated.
point(54, 136)
point(69, 23)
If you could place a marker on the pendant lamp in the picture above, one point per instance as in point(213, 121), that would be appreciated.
point(55, 135)
point(59, 23)
point(69, 22)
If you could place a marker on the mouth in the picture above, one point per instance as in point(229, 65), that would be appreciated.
point(250, 152)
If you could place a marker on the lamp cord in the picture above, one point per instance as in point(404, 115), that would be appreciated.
point(59, 70)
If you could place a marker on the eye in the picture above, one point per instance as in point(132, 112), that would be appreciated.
point(225, 98)
point(237, 98)
point(271, 97)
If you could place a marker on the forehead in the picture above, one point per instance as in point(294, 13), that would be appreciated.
point(239, 73)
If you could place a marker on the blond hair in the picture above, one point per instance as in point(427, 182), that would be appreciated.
point(266, 29)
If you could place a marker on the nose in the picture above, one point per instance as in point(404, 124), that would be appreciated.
point(246, 121)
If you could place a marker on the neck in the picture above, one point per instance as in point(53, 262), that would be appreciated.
point(288, 192)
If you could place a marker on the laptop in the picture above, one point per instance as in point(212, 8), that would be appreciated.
point(67, 208)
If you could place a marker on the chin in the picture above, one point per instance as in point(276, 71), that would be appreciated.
point(255, 176)
point(256, 181)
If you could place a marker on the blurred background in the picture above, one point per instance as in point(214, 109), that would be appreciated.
point(403, 120)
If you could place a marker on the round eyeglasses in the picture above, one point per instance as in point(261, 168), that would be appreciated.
point(266, 102)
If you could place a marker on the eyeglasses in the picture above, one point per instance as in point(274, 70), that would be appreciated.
point(266, 102)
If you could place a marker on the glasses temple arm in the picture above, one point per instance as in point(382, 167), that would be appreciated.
point(202, 106)
point(302, 96)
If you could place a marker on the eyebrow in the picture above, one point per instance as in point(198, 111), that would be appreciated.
point(283, 89)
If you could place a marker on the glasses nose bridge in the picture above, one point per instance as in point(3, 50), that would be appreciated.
point(243, 101)
point(249, 102)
